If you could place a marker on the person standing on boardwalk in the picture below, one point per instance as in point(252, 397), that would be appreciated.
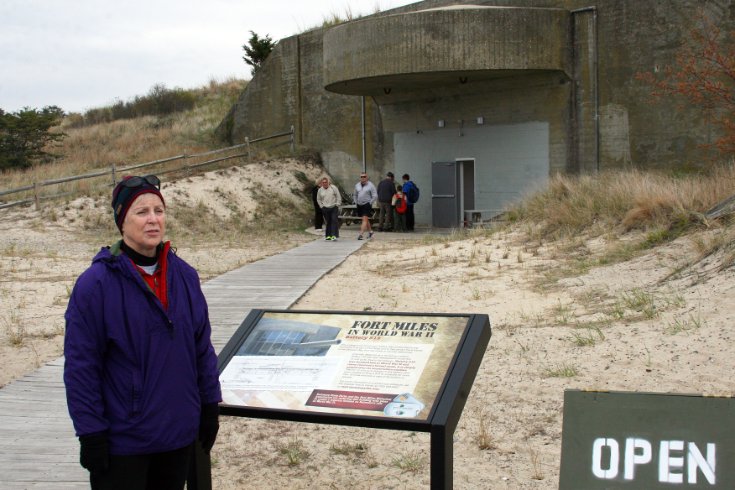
point(386, 190)
point(364, 195)
point(329, 200)
point(408, 189)
point(140, 371)
point(318, 214)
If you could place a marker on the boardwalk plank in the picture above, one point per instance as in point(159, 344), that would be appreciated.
point(37, 444)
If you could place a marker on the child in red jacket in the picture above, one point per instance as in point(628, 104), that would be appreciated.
point(399, 209)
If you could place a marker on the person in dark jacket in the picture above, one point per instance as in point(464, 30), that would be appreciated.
point(140, 371)
point(410, 218)
point(386, 191)
point(318, 214)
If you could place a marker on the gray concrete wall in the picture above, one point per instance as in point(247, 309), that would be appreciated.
point(288, 90)
point(510, 160)
point(533, 98)
point(271, 103)
point(436, 47)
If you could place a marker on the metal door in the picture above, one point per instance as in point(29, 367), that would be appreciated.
point(444, 195)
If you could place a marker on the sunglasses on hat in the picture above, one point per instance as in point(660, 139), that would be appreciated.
point(139, 181)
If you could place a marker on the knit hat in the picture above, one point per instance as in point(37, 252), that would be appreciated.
point(128, 190)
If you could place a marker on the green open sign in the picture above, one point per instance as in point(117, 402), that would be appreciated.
point(614, 440)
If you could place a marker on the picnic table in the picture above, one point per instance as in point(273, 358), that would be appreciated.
point(348, 214)
point(476, 217)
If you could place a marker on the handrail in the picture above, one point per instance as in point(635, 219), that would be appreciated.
point(113, 170)
point(19, 189)
point(72, 178)
point(154, 162)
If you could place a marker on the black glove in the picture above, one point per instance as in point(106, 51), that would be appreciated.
point(208, 426)
point(93, 454)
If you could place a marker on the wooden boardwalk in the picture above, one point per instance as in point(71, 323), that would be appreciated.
point(38, 448)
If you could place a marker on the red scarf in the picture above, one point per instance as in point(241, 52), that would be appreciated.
point(157, 281)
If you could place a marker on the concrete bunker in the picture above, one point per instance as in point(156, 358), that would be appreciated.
point(444, 81)
point(482, 102)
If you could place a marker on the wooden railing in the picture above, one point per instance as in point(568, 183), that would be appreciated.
point(31, 194)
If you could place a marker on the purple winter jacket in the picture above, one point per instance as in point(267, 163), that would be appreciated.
point(131, 369)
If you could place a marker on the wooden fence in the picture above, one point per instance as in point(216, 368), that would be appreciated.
point(32, 193)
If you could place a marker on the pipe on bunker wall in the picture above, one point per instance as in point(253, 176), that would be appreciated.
point(595, 79)
point(362, 125)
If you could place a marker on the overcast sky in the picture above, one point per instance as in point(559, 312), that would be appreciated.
point(81, 54)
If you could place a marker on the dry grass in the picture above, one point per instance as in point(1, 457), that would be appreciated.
point(535, 458)
point(130, 141)
point(335, 18)
point(650, 208)
point(625, 200)
point(560, 370)
point(411, 461)
point(721, 243)
point(294, 451)
point(483, 438)
point(587, 336)
point(15, 331)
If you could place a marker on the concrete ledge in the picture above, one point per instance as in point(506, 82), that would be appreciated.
point(437, 47)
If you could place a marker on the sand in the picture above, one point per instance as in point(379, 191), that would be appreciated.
point(626, 326)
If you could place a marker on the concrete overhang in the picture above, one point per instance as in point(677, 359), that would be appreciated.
point(439, 47)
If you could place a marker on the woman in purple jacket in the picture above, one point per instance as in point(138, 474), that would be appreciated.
point(140, 371)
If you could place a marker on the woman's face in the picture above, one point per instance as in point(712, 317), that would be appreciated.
point(325, 183)
point(145, 224)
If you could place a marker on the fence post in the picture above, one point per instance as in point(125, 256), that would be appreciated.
point(292, 139)
point(247, 142)
point(114, 182)
point(36, 198)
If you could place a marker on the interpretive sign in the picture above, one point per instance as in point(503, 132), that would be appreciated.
point(404, 371)
point(622, 440)
point(366, 364)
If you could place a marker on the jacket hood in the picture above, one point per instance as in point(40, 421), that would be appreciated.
point(110, 253)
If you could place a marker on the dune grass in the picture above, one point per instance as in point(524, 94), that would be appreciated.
point(624, 199)
point(650, 208)
point(662, 204)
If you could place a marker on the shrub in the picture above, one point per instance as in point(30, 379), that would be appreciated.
point(160, 101)
point(26, 134)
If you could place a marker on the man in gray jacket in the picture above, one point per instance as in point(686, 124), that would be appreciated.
point(364, 195)
point(329, 200)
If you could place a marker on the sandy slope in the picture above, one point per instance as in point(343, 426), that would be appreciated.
point(679, 341)
point(619, 327)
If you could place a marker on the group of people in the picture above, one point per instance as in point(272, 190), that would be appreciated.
point(394, 207)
